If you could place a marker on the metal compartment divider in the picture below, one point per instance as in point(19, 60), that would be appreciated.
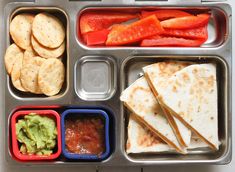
point(72, 9)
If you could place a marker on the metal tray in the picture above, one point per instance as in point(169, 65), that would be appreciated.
point(216, 34)
point(122, 65)
point(132, 69)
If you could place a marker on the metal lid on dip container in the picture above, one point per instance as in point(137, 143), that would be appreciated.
point(85, 134)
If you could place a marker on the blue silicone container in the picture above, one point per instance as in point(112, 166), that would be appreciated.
point(83, 113)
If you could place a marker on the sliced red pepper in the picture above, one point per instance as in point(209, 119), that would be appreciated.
point(165, 14)
point(196, 33)
point(186, 22)
point(134, 32)
point(84, 37)
point(94, 21)
point(171, 41)
point(96, 37)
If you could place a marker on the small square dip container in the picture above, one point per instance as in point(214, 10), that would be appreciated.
point(15, 144)
point(95, 78)
point(85, 114)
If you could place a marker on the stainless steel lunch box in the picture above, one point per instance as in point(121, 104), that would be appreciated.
point(118, 67)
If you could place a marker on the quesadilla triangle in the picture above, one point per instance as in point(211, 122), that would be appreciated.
point(139, 99)
point(196, 143)
point(142, 140)
point(156, 75)
point(191, 95)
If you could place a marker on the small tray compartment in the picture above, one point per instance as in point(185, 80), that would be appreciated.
point(217, 35)
point(132, 70)
point(60, 114)
point(15, 144)
point(95, 77)
point(74, 114)
point(62, 16)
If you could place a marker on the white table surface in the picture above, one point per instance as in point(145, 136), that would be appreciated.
point(187, 168)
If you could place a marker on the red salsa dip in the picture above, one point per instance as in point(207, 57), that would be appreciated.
point(85, 135)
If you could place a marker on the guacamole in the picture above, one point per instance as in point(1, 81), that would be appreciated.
point(37, 134)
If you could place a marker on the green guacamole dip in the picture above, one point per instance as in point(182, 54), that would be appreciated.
point(37, 134)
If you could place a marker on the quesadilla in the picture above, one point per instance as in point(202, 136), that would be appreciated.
point(157, 74)
point(196, 143)
point(191, 96)
point(142, 140)
point(139, 99)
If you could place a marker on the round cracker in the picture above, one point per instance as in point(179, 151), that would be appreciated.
point(15, 75)
point(51, 76)
point(29, 54)
point(47, 52)
point(29, 75)
point(13, 53)
point(48, 30)
point(21, 28)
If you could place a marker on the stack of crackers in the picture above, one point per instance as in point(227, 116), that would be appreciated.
point(34, 59)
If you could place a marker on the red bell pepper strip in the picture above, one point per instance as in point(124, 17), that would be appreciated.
point(186, 22)
point(94, 21)
point(96, 37)
point(165, 14)
point(134, 32)
point(197, 33)
point(171, 41)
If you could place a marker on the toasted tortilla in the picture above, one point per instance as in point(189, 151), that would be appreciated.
point(196, 143)
point(139, 99)
point(191, 96)
point(156, 75)
point(142, 140)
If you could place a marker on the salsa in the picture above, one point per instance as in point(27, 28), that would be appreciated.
point(85, 135)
